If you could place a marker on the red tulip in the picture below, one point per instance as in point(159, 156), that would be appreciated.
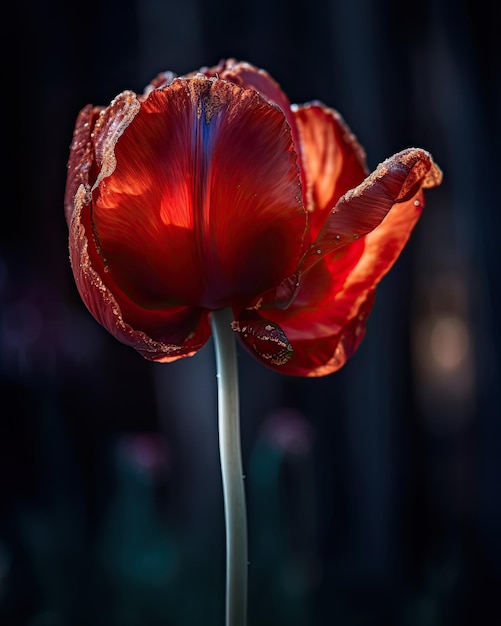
point(210, 191)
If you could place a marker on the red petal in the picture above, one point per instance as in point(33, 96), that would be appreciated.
point(248, 76)
point(162, 335)
point(199, 199)
point(332, 292)
point(325, 320)
point(333, 160)
point(363, 209)
point(81, 157)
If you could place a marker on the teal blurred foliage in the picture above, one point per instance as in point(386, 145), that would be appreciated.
point(282, 491)
point(139, 567)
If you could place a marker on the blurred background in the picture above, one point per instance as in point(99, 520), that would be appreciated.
point(373, 494)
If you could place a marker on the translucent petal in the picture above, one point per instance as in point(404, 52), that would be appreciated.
point(203, 203)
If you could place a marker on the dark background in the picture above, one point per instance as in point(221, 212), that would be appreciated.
point(373, 494)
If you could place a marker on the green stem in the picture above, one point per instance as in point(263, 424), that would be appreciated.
point(231, 468)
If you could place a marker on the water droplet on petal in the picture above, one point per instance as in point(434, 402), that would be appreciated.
point(267, 339)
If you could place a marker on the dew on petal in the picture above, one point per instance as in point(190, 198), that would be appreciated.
point(266, 339)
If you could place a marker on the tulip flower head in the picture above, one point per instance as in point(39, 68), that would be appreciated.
point(211, 190)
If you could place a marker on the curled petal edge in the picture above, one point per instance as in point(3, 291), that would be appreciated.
point(81, 157)
point(265, 339)
point(360, 210)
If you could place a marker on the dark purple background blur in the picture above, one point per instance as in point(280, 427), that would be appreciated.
point(374, 494)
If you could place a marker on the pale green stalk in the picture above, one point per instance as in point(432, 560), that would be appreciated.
point(231, 468)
